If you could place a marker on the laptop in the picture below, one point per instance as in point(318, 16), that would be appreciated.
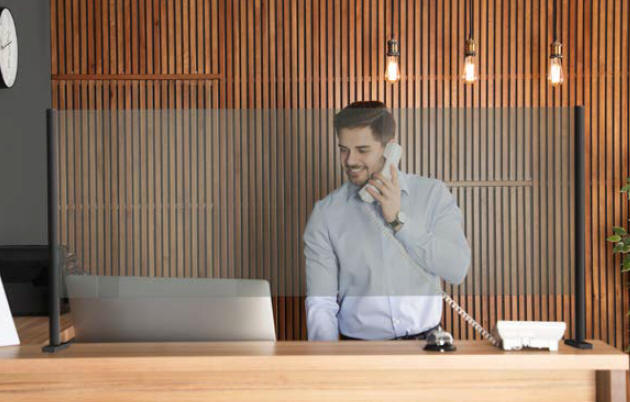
point(142, 309)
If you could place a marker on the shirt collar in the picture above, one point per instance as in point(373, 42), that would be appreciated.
point(353, 189)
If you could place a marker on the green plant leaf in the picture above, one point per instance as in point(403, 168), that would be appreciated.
point(614, 238)
point(625, 188)
point(619, 230)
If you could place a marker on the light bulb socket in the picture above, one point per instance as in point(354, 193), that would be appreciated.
point(470, 48)
point(393, 48)
point(555, 50)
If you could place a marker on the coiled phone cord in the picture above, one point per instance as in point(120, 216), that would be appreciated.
point(487, 335)
point(448, 299)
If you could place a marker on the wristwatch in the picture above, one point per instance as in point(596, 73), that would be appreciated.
point(400, 219)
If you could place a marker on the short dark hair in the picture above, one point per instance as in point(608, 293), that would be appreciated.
point(367, 113)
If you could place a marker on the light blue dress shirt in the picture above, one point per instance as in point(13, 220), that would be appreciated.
point(359, 283)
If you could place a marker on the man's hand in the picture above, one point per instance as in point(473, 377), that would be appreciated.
point(389, 196)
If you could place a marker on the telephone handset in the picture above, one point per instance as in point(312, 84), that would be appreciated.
point(392, 158)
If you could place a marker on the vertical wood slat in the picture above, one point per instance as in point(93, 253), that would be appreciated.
point(147, 194)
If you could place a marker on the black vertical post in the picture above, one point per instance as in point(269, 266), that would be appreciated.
point(54, 277)
point(580, 297)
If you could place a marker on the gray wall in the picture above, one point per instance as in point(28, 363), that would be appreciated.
point(23, 128)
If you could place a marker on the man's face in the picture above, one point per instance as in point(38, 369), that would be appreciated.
point(361, 154)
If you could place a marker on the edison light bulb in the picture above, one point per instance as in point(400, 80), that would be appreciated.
point(392, 73)
point(469, 74)
point(556, 76)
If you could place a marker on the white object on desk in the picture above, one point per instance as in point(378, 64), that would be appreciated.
point(531, 334)
point(8, 334)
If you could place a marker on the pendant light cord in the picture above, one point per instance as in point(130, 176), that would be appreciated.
point(555, 20)
point(392, 18)
point(470, 19)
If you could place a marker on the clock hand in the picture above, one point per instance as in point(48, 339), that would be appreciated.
point(8, 43)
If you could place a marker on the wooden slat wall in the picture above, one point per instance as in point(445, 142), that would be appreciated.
point(508, 168)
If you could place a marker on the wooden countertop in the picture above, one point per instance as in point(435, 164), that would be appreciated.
point(301, 370)
point(345, 355)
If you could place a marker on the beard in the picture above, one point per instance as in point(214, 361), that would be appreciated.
point(361, 176)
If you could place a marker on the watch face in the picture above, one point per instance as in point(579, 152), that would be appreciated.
point(8, 48)
point(402, 218)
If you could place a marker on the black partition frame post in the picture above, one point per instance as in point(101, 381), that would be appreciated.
point(54, 276)
point(580, 297)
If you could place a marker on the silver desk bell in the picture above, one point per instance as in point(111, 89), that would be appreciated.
point(439, 340)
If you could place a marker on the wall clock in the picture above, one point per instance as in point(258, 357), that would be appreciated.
point(8, 49)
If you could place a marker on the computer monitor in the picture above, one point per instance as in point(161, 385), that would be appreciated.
point(141, 309)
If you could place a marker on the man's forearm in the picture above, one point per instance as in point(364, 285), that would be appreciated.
point(321, 318)
point(447, 256)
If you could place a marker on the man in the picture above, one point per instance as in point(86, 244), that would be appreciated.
point(359, 285)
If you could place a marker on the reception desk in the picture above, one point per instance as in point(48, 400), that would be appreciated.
point(314, 371)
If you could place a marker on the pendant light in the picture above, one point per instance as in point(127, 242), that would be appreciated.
point(556, 76)
point(392, 69)
point(469, 74)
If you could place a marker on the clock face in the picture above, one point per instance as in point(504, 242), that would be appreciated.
point(8, 49)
